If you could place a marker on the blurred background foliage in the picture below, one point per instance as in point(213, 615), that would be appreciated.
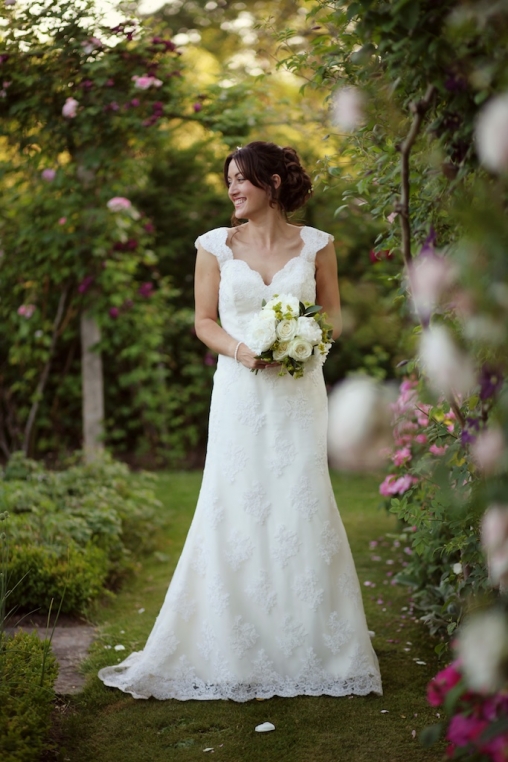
point(222, 88)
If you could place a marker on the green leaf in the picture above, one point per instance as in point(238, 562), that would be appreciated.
point(312, 310)
point(431, 734)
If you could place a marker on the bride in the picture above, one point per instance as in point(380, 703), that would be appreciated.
point(265, 599)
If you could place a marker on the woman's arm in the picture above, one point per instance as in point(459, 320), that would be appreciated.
point(206, 292)
point(327, 286)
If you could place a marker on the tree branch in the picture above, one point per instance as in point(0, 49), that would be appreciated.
point(45, 372)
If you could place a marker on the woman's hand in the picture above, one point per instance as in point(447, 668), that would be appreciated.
point(247, 357)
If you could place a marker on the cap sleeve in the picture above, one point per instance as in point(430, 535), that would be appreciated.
point(215, 243)
point(314, 241)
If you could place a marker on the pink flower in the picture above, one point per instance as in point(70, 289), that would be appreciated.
point(403, 483)
point(62, 220)
point(391, 217)
point(437, 450)
point(48, 175)
point(401, 456)
point(442, 683)
point(70, 108)
point(118, 204)
point(421, 438)
point(146, 81)
point(197, 107)
point(26, 310)
point(386, 486)
point(114, 312)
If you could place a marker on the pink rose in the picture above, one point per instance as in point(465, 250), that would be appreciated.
point(401, 456)
point(118, 204)
point(421, 438)
point(70, 108)
point(463, 730)
point(26, 310)
point(437, 450)
point(146, 81)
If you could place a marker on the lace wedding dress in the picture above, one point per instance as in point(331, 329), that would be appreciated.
point(265, 599)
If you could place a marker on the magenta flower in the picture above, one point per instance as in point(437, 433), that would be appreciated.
point(463, 730)
point(135, 102)
point(48, 175)
point(62, 220)
point(145, 290)
point(114, 312)
point(85, 284)
point(442, 684)
point(197, 107)
point(110, 82)
point(70, 108)
point(210, 359)
point(149, 227)
point(118, 204)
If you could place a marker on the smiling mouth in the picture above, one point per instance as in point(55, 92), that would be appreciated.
point(239, 202)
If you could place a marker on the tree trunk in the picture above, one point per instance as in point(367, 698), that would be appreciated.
point(93, 388)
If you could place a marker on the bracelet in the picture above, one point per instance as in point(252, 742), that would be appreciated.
point(236, 351)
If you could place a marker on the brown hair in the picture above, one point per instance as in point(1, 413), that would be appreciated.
point(259, 161)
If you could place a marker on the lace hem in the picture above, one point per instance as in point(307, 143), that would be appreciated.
point(183, 690)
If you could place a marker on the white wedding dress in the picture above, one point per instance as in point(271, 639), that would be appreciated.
point(265, 600)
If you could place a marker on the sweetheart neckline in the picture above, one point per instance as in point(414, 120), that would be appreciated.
point(267, 285)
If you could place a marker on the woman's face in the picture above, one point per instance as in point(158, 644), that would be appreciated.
point(246, 197)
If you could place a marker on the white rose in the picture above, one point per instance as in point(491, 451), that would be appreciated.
point(309, 330)
point(360, 424)
point(492, 134)
point(286, 329)
point(300, 350)
point(288, 303)
point(262, 333)
point(448, 369)
point(482, 646)
point(282, 351)
point(348, 108)
point(495, 542)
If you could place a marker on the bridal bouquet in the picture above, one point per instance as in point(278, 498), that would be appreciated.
point(290, 333)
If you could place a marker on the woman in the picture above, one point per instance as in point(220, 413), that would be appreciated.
point(265, 599)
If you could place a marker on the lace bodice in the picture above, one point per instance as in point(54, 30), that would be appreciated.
point(242, 289)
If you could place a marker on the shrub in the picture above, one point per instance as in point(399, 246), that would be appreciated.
point(28, 672)
point(73, 530)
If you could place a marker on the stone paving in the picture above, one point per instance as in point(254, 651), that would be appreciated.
point(70, 643)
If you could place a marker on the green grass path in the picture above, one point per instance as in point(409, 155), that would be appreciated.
point(104, 725)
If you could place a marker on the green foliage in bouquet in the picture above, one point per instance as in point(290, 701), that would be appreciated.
point(28, 671)
point(72, 533)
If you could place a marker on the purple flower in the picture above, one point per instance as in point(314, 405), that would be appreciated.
point(470, 431)
point(149, 227)
point(490, 380)
point(455, 83)
point(85, 284)
point(114, 312)
point(158, 108)
point(429, 243)
point(197, 107)
point(210, 359)
point(110, 82)
point(145, 290)
point(135, 102)
point(87, 84)
point(48, 175)
point(4, 58)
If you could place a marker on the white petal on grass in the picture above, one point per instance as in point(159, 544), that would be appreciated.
point(492, 134)
point(119, 648)
point(448, 369)
point(265, 727)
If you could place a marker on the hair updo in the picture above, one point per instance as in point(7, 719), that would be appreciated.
point(259, 161)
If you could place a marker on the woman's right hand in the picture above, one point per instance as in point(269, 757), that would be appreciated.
point(247, 357)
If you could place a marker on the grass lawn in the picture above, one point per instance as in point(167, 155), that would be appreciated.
point(105, 725)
